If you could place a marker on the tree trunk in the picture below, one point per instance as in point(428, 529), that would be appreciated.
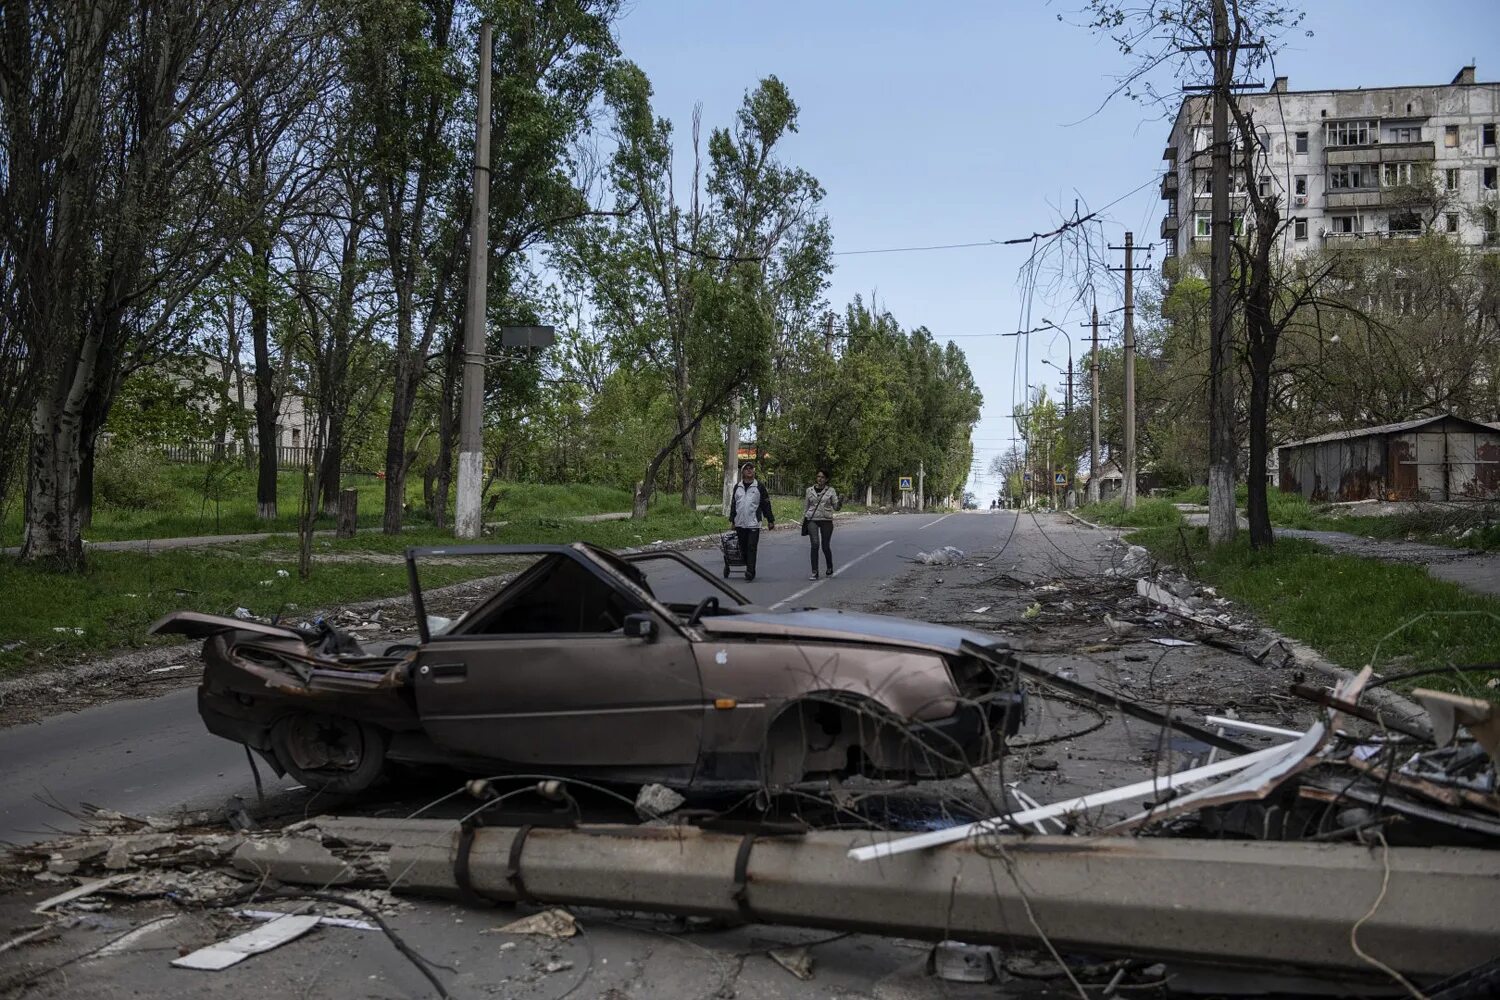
point(333, 465)
point(731, 455)
point(265, 386)
point(1258, 508)
point(690, 469)
point(54, 528)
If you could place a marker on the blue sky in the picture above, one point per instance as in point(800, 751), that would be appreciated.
point(958, 122)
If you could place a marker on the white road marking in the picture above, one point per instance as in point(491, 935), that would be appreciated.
point(852, 562)
point(938, 521)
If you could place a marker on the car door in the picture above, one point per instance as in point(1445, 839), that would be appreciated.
point(539, 681)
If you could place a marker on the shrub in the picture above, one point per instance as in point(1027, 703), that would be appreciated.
point(132, 477)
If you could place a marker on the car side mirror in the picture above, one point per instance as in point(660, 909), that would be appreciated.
point(640, 626)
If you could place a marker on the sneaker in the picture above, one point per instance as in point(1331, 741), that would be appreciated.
point(814, 576)
point(830, 571)
point(749, 575)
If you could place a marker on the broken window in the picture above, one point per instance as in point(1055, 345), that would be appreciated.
point(1264, 186)
point(1202, 225)
point(1299, 184)
point(1451, 219)
point(1299, 229)
point(556, 595)
point(1350, 176)
point(1301, 142)
point(1406, 223)
point(1450, 136)
point(1406, 133)
point(1489, 178)
point(1398, 174)
point(1450, 178)
point(1349, 133)
point(1487, 131)
point(1344, 224)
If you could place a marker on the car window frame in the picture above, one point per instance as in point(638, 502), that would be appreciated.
point(578, 552)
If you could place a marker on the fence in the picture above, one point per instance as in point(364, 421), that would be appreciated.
point(288, 457)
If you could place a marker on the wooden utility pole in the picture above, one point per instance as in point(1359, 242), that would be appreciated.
point(1222, 522)
point(1093, 490)
point(467, 521)
point(1127, 499)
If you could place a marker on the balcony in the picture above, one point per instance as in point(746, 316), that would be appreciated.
point(1170, 153)
point(1169, 184)
point(1382, 152)
point(1168, 225)
point(1368, 238)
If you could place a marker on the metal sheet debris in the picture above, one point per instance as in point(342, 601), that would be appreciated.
point(235, 950)
point(87, 889)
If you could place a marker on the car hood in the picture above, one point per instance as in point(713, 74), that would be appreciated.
point(849, 626)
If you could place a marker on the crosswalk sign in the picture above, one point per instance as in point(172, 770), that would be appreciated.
point(1025, 477)
point(906, 483)
point(1061, 479)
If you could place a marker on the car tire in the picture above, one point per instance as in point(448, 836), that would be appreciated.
point(329, 753)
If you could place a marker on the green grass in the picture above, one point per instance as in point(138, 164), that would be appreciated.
point(121, 593)
point(1146, 514)
point(1354, 611)
point(181, 511)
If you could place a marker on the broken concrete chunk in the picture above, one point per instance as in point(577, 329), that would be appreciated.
point(298, 860)
point(555, 923)
point(956, 962)
point(797, 961)
point(656, 801)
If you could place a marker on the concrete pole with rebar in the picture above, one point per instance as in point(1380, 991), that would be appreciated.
point(467, 521)
point(1221, 512)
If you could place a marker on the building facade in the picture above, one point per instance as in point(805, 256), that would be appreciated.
point(1349, 167)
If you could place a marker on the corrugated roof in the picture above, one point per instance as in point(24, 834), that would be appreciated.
point(1406, 425)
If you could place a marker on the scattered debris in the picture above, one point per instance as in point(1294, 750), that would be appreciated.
point(1172, 642)
point(68, 631)
point(656, 802)
point(297, 859)
point(87, 889)
point(554, 923)
point(1136, 562)
point(1033, 611)
point(557, 965)
point(324, 921)
point(222, 955)
point(797, 961)
point(956, 962)
point(948, 555)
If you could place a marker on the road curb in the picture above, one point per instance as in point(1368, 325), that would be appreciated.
point(1091, 524)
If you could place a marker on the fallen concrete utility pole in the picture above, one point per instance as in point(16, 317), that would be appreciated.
point(1244, 903)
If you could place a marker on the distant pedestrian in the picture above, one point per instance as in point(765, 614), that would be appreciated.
point(749, 503)
point(817, 520)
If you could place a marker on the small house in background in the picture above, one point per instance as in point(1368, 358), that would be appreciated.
point(1432, 458)
point(1111, 479)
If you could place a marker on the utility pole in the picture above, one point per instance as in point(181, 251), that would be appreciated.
point(1127, 491)
point(1222, 522)
point(1093, 491)
point(1127, 501)
point(467, 522)
point(921, 483)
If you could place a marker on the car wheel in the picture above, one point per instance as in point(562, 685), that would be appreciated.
point(329, 753)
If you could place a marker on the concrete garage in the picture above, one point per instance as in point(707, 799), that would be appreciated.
point(1435, 458)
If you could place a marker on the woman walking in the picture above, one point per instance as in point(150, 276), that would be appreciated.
point(817, 520)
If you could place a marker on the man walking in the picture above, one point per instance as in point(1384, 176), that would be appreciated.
point(751, 502)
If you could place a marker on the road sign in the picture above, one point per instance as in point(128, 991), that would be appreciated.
point(906, 483)
point(1060, 479)
point(527, 336)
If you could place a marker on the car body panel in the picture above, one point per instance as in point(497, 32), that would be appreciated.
point(847, 626)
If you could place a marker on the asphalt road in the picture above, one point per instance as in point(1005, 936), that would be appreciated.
point(153, 756)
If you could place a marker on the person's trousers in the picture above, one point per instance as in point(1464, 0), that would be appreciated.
point(749, 543)
point(821, 533)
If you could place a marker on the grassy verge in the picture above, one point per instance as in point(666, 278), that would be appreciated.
point(1352, 610)
point(1456, 529)
point(48, 617)
point(176, 507)
point(1146, 514)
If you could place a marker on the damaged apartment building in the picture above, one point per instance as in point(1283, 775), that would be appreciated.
point(1351, 167)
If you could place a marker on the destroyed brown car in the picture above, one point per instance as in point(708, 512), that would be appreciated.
point(575, 667)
